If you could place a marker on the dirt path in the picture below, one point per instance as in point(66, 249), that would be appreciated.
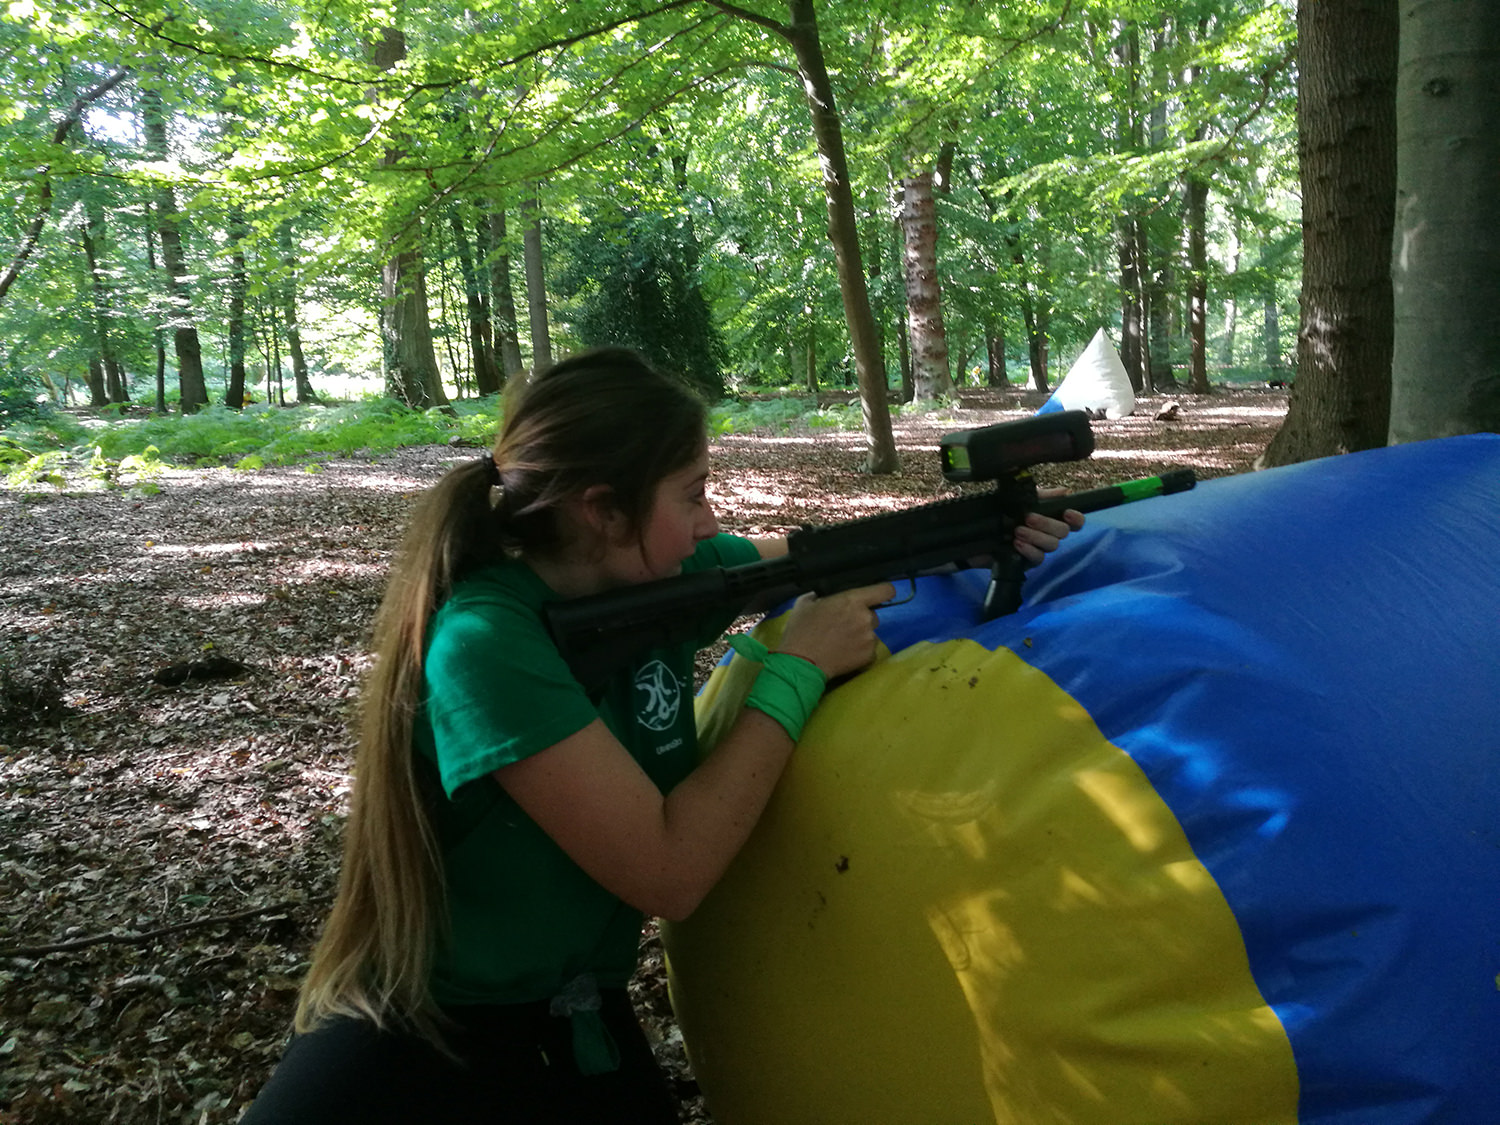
point(168, 851)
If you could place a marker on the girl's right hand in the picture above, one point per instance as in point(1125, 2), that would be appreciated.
point(836, 633)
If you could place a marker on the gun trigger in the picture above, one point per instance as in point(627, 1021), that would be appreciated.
point(912, 584)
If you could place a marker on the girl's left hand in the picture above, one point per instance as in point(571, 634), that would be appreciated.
point(1041, 534)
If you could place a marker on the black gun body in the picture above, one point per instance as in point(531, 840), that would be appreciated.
point(600, 633)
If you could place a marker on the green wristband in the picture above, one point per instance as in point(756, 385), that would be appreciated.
point(788, 687)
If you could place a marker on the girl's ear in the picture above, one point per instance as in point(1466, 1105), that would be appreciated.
point(601, 513)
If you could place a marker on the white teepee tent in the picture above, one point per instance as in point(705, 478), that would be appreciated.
point(1096, 382)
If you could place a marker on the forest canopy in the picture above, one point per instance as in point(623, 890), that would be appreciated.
point(226, 200)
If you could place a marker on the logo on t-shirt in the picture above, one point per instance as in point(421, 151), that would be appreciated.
point(658, 696)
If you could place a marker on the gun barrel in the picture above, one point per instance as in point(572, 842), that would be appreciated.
point(1126, 492)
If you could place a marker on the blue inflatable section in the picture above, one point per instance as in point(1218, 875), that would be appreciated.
point(1305, 662)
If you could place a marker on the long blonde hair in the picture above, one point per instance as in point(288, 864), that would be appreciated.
point(603, 416)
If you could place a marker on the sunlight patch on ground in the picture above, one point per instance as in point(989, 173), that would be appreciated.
point(222, 600)
point(320, 568)
point(198, 550)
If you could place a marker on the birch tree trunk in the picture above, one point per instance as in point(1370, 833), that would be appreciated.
point(924, 301)
point(1446, 354)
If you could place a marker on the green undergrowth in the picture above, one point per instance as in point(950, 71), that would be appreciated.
point(107, 450)
point(61, 449)
point(786, 414)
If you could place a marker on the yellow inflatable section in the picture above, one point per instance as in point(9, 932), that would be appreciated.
point(963, 905)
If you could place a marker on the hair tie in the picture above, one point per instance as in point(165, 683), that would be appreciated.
point(491, 470)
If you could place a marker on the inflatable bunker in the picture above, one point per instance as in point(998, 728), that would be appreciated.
point(1207, 832)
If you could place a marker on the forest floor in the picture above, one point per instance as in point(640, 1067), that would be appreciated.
point(168, 850)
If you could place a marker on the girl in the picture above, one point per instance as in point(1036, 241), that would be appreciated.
point(507, 830)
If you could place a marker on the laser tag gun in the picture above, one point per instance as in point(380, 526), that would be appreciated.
point(600, 633)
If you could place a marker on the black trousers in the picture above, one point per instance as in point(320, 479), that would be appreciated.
point(515, 1066)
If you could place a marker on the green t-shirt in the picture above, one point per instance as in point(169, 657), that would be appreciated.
point(523, 918)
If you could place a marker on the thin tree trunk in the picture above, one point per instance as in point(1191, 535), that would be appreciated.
point(1271, 331)
point(903, 337)
point(239, 285)
point(193, 390)
point(1446, 355)
point(536, 279)
point(98, 392)
point(1232, 307)
point(290, 320)
point(1157, 259)
point(1132, 336)
point(1346, 124)
point(158, 334)
point(487, 378)
point(1197, 232)
point(502, 299)
point(924, 302)
point(1197, 220)
point(843, 232)
point(1127, 227)
point(810, 348)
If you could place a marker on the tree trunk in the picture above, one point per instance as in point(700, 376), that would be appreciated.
point(1446, 355)
point(1127, 227)
point(1035, 316)
point(502, 296)
point(536, 279)
point(1346, 114)
point(1197, 240)
point(239, 286)
point(487, 378)
point(411, 370)
point(810, 348)
point(290, 321)
point(1232, 308)
point(1159, 244)
point(193, 390)
point(1132, 337)
point(924, 302)
point(1036, 341)
point(844, 234)
point(99, 301)
point(994, 349)
point(903, 337)
point(1197, 223)
point(1271, 331)
point(158, 334)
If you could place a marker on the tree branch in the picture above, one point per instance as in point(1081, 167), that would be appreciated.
point(44, 207)
point(365, 81)
point(141, 939)
point(766, 22)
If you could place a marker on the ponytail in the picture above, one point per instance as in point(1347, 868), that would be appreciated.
point(374, 957)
